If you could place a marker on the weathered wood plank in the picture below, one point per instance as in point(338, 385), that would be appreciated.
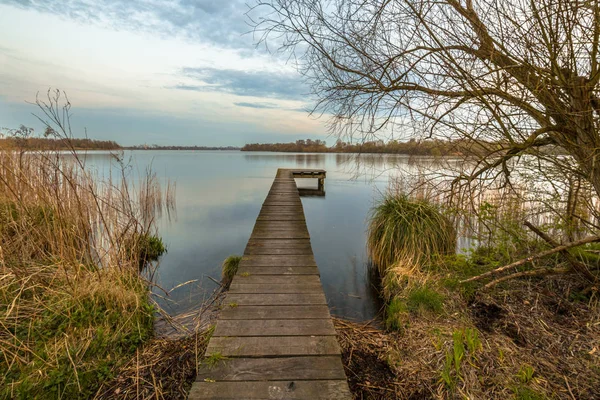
point(289, 229)
point(275, 312)
point(283, 368)
point(280, 234)
point(272, 346)
point(278, 261)
point(276, 279)
point(275, 327)
point(253, 250)
point(289, 390)
point(278, 242)
point(280, 225)
point(275, 299)
point(282, 288)
point(279, 270)
point(280, 217)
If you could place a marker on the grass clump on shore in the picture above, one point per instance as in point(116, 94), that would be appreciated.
point(405, 235)
point(73, 305)
point(229, 269)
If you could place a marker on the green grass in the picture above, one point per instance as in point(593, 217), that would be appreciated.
point(229, 268)
point(424, 299)
point(214, 359)
point(396, 315)
point(525, 393)
point(84, 333)
point(405, 235)
point(150, 247)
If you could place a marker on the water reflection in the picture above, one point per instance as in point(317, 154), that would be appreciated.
point(219, 195)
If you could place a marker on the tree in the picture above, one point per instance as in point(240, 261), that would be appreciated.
point(510, 77)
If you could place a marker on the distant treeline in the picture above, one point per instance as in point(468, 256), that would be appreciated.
point(157, 147)
point(57, 144)
point(432, 147)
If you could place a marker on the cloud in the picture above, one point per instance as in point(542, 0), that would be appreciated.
point(209, 21)
point(257, 105)
point(285, 86)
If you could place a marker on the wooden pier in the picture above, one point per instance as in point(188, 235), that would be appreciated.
point(274, 338)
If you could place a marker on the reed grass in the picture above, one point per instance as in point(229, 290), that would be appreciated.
point(73, 306)
point(404, 235)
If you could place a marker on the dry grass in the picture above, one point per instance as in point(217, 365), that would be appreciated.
point(73, 306)
point(530, 343)
point(162, 369)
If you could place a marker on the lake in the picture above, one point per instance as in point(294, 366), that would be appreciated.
point(219, 195)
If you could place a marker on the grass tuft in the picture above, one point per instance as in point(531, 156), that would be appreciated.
point(229, 269)
point(424, 299)
point(405, 235)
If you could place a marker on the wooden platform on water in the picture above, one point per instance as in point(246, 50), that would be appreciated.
point(275, 332)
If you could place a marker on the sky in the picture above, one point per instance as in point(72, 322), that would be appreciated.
point(182, 72)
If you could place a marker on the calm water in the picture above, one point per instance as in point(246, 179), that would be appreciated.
point(219, 195)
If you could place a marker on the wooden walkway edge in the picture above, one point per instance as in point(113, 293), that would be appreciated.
point(274, 338)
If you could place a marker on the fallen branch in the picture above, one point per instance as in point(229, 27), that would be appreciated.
point(576, 264)
point(535, 272)
point(566, 246)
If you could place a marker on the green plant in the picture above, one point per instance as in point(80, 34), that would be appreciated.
point(451, 370)
point(233, 305)
point(149, 247)
point(525, 393)
point(404, 235)
point(424, 299)
point(525, 374)
point(229, 269)
point(396, 314)
point(214, 359)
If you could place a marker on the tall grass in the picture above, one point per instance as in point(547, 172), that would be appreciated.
point(73, 306)
point(404, 235)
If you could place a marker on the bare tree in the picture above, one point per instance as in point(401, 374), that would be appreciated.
point(514, 77)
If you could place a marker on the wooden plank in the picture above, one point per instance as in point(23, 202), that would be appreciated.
point(280, 225)
point(280, 229)
point(280, 235)
point(275, 327)
point(254, 250)
point(279, 203)
point(273, 346)
point(279, 243)
point(283, 288)
point(279, 270)
point(289, 390)
point(280, 217)
point(278, 261)
point(276, 279)
point(275, 312)
point(283, 368)
point(277, 299)
point(282, 207)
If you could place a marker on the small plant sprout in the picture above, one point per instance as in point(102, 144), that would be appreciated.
point(525, 374)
